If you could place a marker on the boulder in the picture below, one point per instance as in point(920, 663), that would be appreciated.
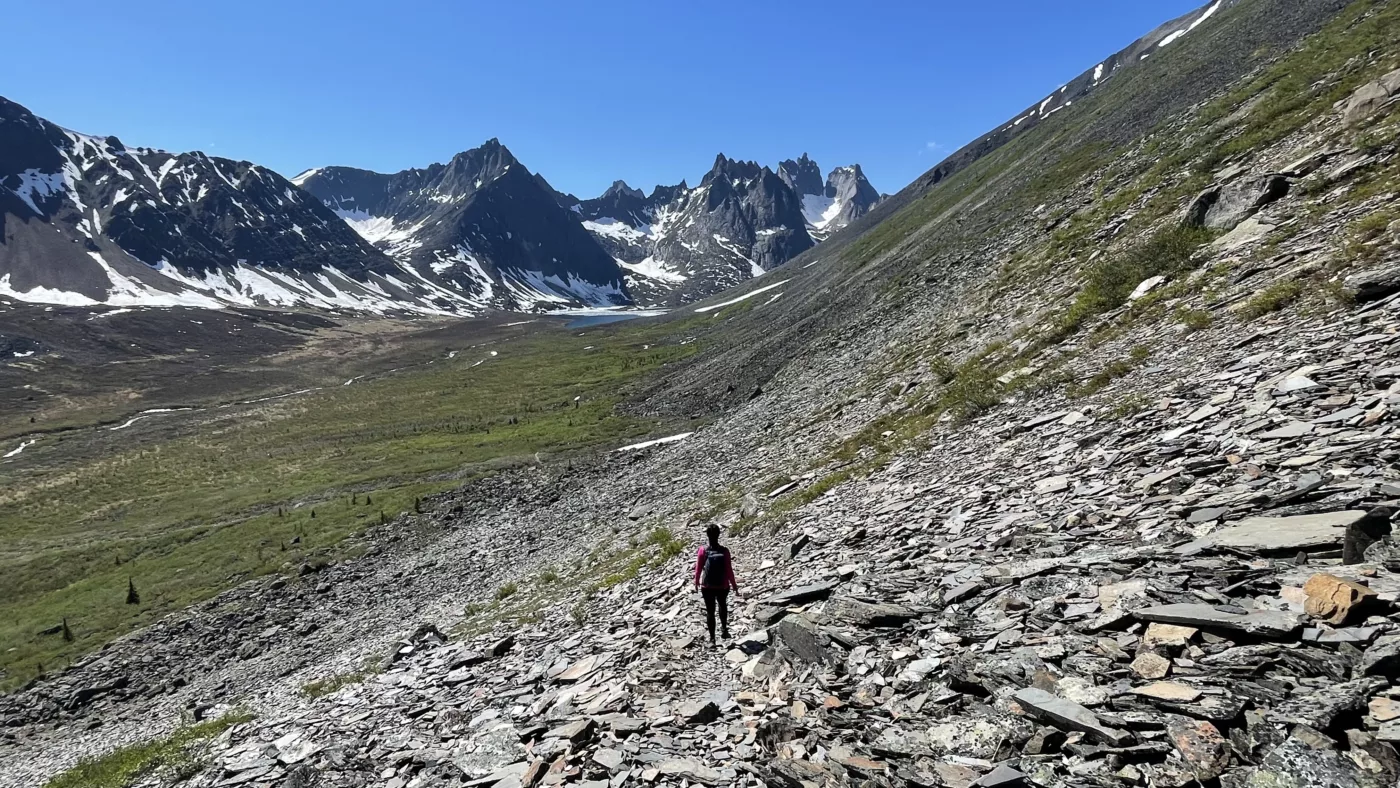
point(1373, 285)
point(1382, 658)
point(1335, 600)
point(1366, 100)
point(1200, 745)
point(1223, 207)
point(800, 639)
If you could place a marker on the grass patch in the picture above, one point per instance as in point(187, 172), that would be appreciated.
point(507, 591)
point(659, 546)
point(1271, 299)
point(1110, 373)
point(1193, 319)
point(173, 755)
point(1109, 281)
point(323, 687)
point(1323, 70)
point(254, 491)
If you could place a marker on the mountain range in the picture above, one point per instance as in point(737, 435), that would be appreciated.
point(508, 238)
point(86, 220)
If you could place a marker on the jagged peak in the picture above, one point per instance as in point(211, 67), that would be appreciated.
point(660, 192)
point(802, 174)
point(490, 149)
point(620, 188)
point(732, 169)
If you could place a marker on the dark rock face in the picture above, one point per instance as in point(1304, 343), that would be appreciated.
point(483, 223)
point(852, 193)
point(803, 175)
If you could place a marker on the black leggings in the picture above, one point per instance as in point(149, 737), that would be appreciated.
point(715, 596)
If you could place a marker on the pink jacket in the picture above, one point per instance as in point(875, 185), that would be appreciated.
point(728, 568)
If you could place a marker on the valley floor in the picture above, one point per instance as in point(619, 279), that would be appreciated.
point(140, 479)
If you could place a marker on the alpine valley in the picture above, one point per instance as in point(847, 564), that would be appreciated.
point(1073, 463)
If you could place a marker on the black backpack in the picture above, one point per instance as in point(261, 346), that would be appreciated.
point(715, 572)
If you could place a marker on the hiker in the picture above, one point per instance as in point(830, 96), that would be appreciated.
point(714, 576)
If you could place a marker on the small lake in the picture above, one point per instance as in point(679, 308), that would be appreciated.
point(584, 321)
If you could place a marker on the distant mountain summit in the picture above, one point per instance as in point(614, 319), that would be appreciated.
point(482, 222)
point(845, 196)
point(680, 243)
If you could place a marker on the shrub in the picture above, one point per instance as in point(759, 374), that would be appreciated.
point(507, 591)
point(973, 391)
point(1110, 280)
point(1193, 319)
point(665, 543)
point(1271, 299)
point(1110, 373)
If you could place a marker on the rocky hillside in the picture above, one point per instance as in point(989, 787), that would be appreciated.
point(1076, 468)
point(482, 224)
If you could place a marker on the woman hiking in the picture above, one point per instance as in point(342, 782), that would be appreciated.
point(714, 576)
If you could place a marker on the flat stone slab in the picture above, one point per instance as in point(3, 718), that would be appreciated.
point(1067, 714)
point(802, 594)
point(1169, 691)
point(868, 615)
point(1278, 534)
point(1269, 623)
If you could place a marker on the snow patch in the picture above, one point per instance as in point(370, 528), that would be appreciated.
point(22, 446)
point(820, 210)
point(651, 268)
point(657, 442)
point(44, 295)
point(744, 297)
point(33, 183)
point(1178, 34)
point(609, 227)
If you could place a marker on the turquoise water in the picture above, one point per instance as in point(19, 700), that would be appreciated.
point(583, 321)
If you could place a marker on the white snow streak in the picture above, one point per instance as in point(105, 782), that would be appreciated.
point(744, 297)
point(22, 446)
point(657, 442)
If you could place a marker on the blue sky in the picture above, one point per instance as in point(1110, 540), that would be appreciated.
point(585, 92)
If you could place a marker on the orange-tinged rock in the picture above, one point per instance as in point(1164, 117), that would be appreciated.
point(1334, 599)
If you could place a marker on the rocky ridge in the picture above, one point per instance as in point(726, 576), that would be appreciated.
point(88, 220)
